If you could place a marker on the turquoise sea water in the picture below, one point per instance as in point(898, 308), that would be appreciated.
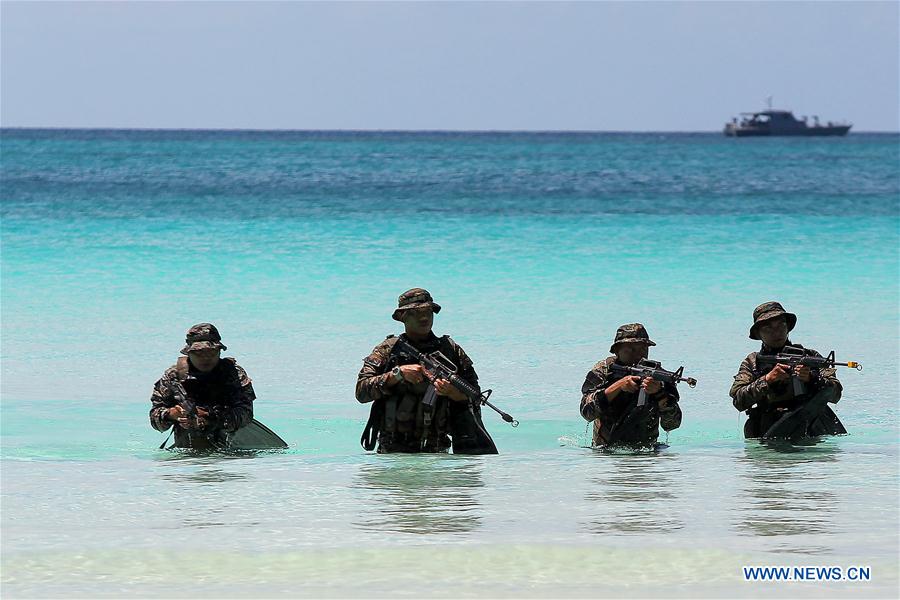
point(297, 244)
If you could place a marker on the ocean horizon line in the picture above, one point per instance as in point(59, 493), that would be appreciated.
point(399, 131)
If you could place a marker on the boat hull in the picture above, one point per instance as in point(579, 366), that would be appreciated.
point(836, 130)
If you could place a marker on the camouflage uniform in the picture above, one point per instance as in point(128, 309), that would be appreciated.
point(763, 402)
point(397, 413)
point(606, 414)
point(226, 392)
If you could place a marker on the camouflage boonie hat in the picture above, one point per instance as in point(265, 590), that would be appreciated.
point(201, 337)
point(632, 332)
point(414, 298)
point(770, 310)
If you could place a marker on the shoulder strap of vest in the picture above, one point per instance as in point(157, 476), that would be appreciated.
point(181, 368)
point(447, 344)
point(390, 342)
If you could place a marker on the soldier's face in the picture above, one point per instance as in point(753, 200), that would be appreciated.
point(418, 321)
point(630, 353)
point(774, 332)
point(205, 360)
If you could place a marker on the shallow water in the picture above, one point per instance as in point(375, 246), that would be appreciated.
point(537, 246)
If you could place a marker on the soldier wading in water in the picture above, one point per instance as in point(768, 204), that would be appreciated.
point(396, 384)
point(611, 400)
point(778, 407)
point(203, 396)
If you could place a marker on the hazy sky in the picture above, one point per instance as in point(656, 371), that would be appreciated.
point(512, 66)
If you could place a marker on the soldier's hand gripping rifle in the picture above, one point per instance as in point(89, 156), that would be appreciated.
point(442, 367)
point(795, 357)
point(652, 369)
point(187, 405)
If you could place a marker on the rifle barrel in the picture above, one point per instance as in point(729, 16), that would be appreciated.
point(816, 361)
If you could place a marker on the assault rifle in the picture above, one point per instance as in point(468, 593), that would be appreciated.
point(795, 357)
point(652, 369)
point(441, 367)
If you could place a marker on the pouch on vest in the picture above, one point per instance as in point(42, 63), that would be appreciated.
point(405, 421)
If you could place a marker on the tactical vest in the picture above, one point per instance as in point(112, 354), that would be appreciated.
point(634, 425)
point(400, 416)
point(209, 393)
point(764, 414)
point(625, 423)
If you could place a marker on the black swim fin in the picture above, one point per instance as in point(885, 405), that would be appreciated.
point(814, 417)
point(827, 424)
point(468, 433)
point(255, 436)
